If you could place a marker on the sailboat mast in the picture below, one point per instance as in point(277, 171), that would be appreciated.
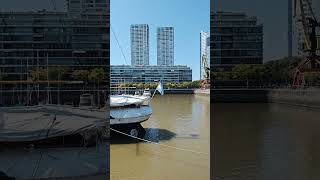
point(20, 96)
point(28, 86)
point(48, 85)
point(38, 74)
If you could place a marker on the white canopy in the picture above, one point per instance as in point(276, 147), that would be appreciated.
point(126, 100)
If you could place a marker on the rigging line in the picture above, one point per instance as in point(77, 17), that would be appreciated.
point(164, 145)
point(37, 165)
point(84, 147)
point(125, 59)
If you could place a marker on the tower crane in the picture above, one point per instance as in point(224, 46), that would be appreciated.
point(311, 60)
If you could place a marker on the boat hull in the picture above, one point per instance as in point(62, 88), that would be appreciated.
point(130, 115)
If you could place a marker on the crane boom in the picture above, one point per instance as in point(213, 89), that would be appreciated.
point(311, 62)
point(308, 20)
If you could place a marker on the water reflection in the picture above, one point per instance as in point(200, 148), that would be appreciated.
point(152, 134)
point(265, 141)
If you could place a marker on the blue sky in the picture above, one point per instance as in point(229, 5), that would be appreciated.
point(188, 17)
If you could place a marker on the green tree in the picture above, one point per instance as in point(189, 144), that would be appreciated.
point(186, 85)
point(80, 75)
point(242, 72)
point(140, 86)
point(38, 74)
point(97, 75)
point(57, 73)
point(2, 75)
point(196, 84)
point(312, 79)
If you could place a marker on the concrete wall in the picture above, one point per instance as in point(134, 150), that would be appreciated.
point(166, 91)
point(204, 92)
point(304, 97)
point(239, 95)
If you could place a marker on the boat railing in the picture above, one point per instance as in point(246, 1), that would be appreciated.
point(123, 90)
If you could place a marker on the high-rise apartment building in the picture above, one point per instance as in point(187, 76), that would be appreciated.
point(165, 46)
point(139, 44)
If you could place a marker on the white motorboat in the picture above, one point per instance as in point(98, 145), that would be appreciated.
point(124, 109)
point(147, 92)
point(131, 110)
point(128, 111)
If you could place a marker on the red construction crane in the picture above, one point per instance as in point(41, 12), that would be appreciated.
point(311, 61)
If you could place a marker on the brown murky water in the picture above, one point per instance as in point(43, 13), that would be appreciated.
point(182, 121)
point(265, 141)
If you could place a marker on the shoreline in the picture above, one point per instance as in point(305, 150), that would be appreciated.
point(297, 97)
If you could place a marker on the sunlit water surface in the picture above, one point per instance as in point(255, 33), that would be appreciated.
point(181, 121)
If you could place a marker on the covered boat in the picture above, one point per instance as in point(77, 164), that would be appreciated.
point(34, 123)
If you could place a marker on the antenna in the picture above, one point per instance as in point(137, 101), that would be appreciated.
point(289, 28)
point(54, 5)
point(48, 85)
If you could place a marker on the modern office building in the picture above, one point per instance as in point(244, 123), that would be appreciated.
point(139, 44)
point(77, 39)
point(165, 46)
point(78, 7)
point(121, 74)
point(204, 51)
point(236, 39)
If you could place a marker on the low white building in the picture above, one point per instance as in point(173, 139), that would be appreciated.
point(120, 74)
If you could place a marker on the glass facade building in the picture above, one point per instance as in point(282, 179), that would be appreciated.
point(76, 39)
point(165, 46)
point(121, 74)
point(236, 39)
point(139, 34)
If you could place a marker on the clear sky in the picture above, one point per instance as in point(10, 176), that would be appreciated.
point(188, 17)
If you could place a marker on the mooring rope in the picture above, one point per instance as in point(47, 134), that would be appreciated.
point(164, 145)
point(37, 166)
